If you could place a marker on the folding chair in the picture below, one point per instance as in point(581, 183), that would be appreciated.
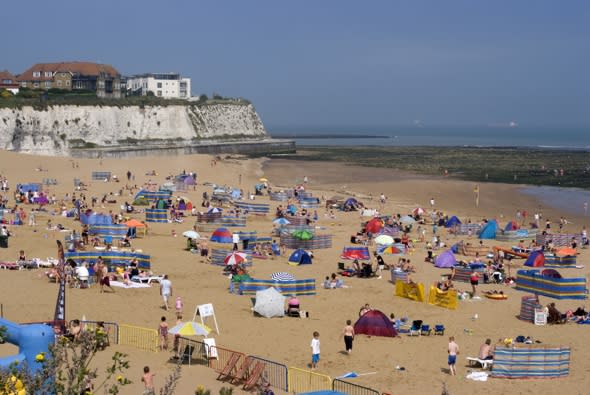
point(416, 328)
point(425, 330)
point(439, 329)
point(242, 373)
point(254, 377)
point(230, 366)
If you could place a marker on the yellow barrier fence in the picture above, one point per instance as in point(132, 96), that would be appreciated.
point(410, 291)
point(446, 299)
point(142, 338)
point(301, 380)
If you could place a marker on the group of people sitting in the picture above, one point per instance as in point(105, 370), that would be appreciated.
point(554, 316)
point(333, 282)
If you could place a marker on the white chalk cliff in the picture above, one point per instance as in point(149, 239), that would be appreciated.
point(58, 129)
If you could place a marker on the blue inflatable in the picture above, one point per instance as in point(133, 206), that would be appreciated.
point(31, 340)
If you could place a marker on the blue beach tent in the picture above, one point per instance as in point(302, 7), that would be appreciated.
point(453, 221)
point(300, 257)
point(489, 230)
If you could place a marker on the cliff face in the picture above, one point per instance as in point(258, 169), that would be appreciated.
point(58, 130)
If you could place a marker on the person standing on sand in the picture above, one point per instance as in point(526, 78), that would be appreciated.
point(453, 351)
point(163, 333)
point(165, 290)
point(348, 334)
point(315, 350)
point(148, 381)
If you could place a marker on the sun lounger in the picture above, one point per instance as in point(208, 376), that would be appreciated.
point(147, 280)
point(242, 373)
point(484, 363)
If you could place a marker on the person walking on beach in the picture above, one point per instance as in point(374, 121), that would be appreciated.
point(348, 334)
point(163, 333)
point(148, 381)
point(453, 351)
point(315, 350)
point(474, 279)
point(166, 290)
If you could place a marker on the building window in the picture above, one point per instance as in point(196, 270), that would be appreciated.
point(48, 84)
point(160, 93)
point(68, 83)
point(159, 85)
point(36, 74)
point(36, 85)
point(48, 74)
point(59, 84)
point(24, 84)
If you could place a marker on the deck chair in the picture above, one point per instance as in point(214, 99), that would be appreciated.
point(229, 368)
point(341, 266)
point(439, 329)
point(242, 373)
point(416, 328)
point(254, 376)
point(425, 330)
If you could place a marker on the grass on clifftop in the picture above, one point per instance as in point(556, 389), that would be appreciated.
point(508, 165)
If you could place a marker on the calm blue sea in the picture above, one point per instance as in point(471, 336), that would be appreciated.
point(572, 200)
point(543, 137)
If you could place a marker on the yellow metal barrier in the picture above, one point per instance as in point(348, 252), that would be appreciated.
point(142, 338)
point(301, 380)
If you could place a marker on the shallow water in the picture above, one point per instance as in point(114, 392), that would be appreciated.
point(571, 200)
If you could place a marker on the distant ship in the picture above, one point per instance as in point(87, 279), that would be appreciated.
point(511, 124)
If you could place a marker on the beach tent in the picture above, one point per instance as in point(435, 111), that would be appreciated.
point(418, 211)
point(300, 257)
point(360, 253)
point(351, 202)
point(489, 230)
point(302, 234)
point(374, 323)
point(512, 225)
point(445, 260)
point(535, 259)
point(221, 235)
point(270, 303)
point(374, 225)
point(453, 221)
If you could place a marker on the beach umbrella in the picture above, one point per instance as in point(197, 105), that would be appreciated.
point(191, 234)
point(302, 234)
point(418, 211)
point(407, 220)
point(133, 223)
point(235, 258)
point(190, 329)
point(214, 210)
point(270, 303)
point(222, 235)
point(281, 221)
point(374, 225)
point(282, 276)
point(391, 250)
point(384, 240)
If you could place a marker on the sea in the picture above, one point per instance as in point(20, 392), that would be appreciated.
point(572, 200)
point(486, 136)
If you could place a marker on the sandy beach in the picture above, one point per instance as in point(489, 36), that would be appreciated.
point(28, 296)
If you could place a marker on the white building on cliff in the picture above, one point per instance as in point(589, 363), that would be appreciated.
point(165, 85)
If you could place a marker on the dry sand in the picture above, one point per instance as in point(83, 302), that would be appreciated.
point(27, 296)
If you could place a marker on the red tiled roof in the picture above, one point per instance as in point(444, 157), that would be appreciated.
point(5, 75)
point(82, 68)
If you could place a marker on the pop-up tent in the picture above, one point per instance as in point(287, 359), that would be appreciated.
point(221, 235)
point(445, 260)
point(489, 230)
point(453, 221)
point(512, 225)
point(374, 323)
point(300, 257)
point(535, 259)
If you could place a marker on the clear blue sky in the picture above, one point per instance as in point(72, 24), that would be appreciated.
point(332, 63)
